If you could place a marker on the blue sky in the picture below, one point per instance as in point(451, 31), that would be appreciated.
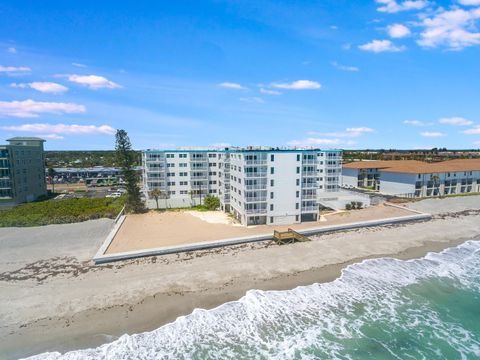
point(330, 74)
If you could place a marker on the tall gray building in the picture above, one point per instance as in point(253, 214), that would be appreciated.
point(22, 171)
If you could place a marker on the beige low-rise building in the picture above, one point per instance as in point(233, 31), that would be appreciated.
point(410, 178)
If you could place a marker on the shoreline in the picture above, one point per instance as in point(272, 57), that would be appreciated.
point(94, 327)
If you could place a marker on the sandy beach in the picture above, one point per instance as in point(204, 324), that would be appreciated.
point(52, 297)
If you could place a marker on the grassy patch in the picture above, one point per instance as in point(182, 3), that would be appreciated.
point(61, 211)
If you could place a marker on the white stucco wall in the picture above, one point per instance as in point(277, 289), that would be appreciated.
point(349, 177)
point(397, 183)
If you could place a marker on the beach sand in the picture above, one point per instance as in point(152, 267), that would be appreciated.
point(66, 303)
point(154, 229)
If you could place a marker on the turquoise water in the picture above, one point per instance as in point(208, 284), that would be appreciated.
point(427, 308)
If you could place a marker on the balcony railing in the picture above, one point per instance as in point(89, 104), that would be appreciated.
point(309, 208)
point(310, 161)
point(256, 211)
point(198, 177)
point(256, 199)
point(255, 174)
point(256, 187)
point(309, 196)
point(310, 185)
point(256, 162)
point(309, 173)
point(198, 168)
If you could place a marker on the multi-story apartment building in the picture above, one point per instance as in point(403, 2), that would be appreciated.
point(22, 170)
point(256, 185)
point(410, 178)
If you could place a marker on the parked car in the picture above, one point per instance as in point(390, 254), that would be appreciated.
point(114, 195)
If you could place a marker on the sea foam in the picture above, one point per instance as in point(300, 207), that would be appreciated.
point(377, 307)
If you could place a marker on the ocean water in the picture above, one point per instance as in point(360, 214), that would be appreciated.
point(426, 308)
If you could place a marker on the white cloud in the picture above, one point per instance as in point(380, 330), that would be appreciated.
point(432, 134)
point(253, 99)
point(457, 121)
point(231, 85)
point(392, 6)
point(220, 145)
point(298, 85)
point(79, 65)
point(51, 137)
point(347, 133)
point(378, 46)
point(14, 69)
point(45, 87)
point(473, 131)
point(92, 81)
point(469, 2)
point(62, 129)
point(270, 92)
point(344, 67)
point(417, 123)
point(12, 50)
point(30, 108)
point(454, 29)
point(398, 31)
point(312, 142)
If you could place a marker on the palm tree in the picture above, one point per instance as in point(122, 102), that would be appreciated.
point(156, 194)
point(436, 182)
point(51, 174)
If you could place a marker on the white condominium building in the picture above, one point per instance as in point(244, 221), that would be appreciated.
point(256, 185)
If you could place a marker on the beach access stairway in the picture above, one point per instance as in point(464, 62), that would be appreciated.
point(288, 237)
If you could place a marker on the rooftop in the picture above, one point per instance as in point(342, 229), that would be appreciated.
point(246, 149)
point(381, 164)
point(418, 167)
point(25, 138)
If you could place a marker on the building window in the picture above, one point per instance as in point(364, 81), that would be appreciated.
point(298, 169)
point(271, 207)
point(272, 170)
point(298, 194)
point(298, 157)
point(296, 206)
point(296, 217)
point(271, 219)
point(271, 195)
point(272, 157)
point(298, 182)
point(271, 182)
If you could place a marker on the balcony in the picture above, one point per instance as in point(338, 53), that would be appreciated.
point(256, 187)
point(310, 208)
point(312, 185)
point(198, 168)
point(309, 173)
point(310, 161)
point(256, 211)
point(256, 162)
point(255, 174)
point(198, 177)
point(309, 196)
point(256, 199)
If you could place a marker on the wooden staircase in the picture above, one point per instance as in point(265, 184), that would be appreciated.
point(288, 237)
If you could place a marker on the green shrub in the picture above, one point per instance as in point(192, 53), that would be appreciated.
point(211, 202)
point(61, 211)
point(348, 206)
